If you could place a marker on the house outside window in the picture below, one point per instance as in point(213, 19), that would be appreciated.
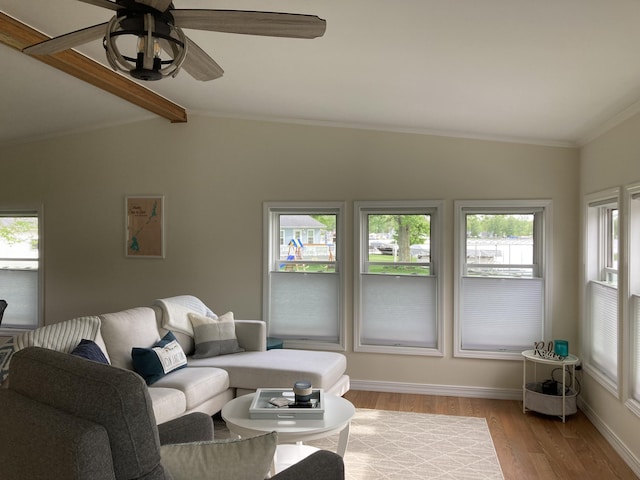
point(601, 287)
point(21, 268)
point(398, 286)
point(303, 283)
point(501, 267)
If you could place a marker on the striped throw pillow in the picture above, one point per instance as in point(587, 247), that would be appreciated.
point(63, 336)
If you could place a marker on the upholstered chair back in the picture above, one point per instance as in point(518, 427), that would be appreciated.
point(112, 397)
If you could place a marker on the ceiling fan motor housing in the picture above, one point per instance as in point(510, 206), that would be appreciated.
point(155, 33)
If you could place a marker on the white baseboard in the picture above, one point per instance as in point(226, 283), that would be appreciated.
point(442, 390)
point(611, 437)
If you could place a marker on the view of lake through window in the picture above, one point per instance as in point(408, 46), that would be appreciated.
point(500, 245)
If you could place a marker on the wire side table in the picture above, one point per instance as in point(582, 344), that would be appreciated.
point(569, 361)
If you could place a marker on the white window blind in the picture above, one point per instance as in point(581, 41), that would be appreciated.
point(20, 289)
point(603, 324)
point(399, 311)
point(305, 306)
point(501, 313)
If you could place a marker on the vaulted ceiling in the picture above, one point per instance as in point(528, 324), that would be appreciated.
point(551, 72)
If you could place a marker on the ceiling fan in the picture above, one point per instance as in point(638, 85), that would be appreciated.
point(153, 28)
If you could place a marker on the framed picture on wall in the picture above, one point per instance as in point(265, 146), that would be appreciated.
point(145, 226)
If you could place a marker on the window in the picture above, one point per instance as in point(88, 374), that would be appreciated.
point(502, 263)
point(633, 249)
point(398, 286)
point(303, 283)
point(601, 287)
point(21, 268)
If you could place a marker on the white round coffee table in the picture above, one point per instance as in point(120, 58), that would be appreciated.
point(337, 419)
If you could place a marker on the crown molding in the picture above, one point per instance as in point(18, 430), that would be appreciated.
point(609, 124)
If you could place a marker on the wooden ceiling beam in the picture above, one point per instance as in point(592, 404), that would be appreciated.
point(17, 35)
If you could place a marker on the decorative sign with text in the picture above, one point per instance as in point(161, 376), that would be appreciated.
point(145, 227)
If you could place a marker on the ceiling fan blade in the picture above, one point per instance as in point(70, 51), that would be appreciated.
point(160, 5)
point(251, 23)
point(69, 40)
point(200, 65)
point(104, 3)
point(197, 63)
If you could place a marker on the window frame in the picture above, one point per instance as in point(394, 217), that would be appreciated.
point(271, 257)
point(607, 267)
point(596, 246)
point(361, 251)
point(629, 289)
point(542, 258)
point(38, 212)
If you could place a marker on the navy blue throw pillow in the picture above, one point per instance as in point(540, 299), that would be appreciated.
point(90, 350)
point(153, 363)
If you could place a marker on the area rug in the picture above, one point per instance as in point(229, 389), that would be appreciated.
point(393, 445)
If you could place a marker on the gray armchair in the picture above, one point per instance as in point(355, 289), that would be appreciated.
point(65, 417)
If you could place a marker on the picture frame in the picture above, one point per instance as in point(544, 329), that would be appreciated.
point(144, 216)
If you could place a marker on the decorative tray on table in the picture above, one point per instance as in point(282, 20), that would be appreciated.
point(279, 403)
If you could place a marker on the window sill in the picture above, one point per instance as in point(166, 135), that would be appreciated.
point(633, 405)
point(12, 332)
point(311, 345)
point(607, 383)
point(400, 350)
point(488, 355)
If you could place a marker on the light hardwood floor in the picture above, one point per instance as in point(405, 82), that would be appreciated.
point(529, 446)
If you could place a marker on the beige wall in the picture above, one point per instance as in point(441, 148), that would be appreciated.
point(215, 174)
point(613, 160)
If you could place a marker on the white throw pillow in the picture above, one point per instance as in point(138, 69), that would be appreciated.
point(244, 459)
point(214, 336)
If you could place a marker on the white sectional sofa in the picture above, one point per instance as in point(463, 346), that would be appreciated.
point(206, 384)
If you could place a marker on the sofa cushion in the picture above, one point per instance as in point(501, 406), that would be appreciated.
point(126, 329)
point(100, 342)
point(278, 368)
point(90, 350)
point(197, 384)
point(163, 357)
point(168, 403)
point(244, 459)
point(214, 336)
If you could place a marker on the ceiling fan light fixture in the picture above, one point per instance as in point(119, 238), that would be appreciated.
point(153, 35)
